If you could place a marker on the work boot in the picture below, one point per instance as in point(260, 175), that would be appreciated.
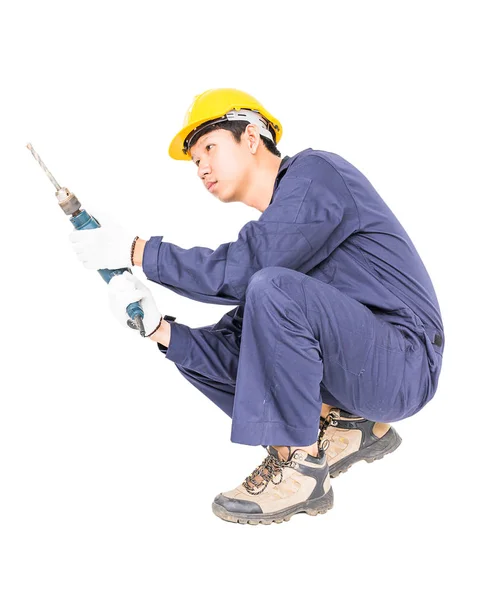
point(347, 438)
point(278, 489)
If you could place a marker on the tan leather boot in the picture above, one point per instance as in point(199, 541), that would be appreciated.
point(348, 438)
point(278, 489)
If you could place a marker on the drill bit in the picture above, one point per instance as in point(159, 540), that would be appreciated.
point(39, 160)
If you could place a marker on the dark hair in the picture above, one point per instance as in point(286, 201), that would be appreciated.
point(237, 128)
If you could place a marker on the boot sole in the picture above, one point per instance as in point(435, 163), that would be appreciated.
point(385, 445)
point(312, 507)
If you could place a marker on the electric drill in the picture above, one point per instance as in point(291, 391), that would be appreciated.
point(82, 220)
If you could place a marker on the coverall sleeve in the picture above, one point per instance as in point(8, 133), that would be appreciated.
point(312, 212)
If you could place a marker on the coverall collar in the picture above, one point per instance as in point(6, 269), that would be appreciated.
point(284, 164)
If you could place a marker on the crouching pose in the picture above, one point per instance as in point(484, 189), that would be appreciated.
point(337, 330)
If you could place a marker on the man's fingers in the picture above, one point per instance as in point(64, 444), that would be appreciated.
point(121, 283)
point(136, 282)
point(124, 290)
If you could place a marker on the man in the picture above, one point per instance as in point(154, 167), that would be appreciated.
point(337, 331)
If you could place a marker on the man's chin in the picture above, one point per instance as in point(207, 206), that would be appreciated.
point(227, 200)
point(224, 194)
point(227, 197)
point(223, 197)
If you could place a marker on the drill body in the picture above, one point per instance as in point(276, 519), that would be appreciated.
point(83, 220)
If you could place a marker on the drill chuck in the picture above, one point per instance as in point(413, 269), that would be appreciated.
point(67, 201)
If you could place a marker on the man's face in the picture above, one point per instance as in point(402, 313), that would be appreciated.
point(222, 164)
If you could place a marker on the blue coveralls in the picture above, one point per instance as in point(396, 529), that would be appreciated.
point(334, 305)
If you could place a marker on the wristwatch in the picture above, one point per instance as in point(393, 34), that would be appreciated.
point(161, 346)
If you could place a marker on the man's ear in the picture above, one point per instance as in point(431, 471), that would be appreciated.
point(252, 136)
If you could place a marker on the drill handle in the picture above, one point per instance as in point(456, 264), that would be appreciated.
point(84, 220)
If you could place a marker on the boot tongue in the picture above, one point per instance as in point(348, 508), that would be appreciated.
point(273, 451)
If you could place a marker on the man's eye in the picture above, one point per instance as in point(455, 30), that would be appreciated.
point(208, 147)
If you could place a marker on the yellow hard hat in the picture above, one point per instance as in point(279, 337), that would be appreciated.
point(214, 106)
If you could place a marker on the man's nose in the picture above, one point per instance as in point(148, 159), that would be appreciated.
point(203, 170)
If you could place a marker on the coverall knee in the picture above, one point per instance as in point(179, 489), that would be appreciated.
point(301, 342)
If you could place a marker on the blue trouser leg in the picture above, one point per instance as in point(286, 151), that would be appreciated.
point(208, 357)
point(302, 340)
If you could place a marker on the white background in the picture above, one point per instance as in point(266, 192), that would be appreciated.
point(109, 459)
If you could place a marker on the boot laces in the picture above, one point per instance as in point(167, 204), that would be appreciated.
point(268, 470)
point(329, 420)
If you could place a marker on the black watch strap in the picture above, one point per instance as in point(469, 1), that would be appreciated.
point(161, 346)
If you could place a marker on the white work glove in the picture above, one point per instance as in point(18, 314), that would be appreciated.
point(126, 288)
point(106, 247)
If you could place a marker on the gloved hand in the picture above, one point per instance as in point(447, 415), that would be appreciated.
point(126, 288)
point(106, 247)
